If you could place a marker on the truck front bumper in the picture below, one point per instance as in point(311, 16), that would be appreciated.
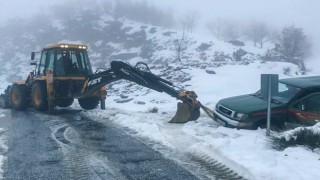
point(227, 122)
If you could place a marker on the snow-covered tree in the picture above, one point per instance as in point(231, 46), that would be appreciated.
point(181, 44)
point(225, 30)
point(190, 20)
point(293, 46)
point(259, 33)
point(231, 32)
point(217, 28)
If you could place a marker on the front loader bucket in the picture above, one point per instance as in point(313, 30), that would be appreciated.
point(186, 112)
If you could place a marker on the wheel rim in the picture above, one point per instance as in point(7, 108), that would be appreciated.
point(37, 96)
point(15, 98)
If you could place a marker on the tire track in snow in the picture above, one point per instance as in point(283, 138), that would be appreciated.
point(83, 162)
point(75, 159)
point(209, 160)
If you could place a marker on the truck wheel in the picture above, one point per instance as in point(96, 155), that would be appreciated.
point(256, 125)
point(65, 102)
point(259, 124)
point(39, 97)
point(89, 102)
point(18, 97)
point(275, 125)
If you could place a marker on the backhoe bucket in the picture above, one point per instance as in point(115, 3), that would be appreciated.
point(186, 112)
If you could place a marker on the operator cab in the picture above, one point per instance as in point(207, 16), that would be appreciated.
point(65, 60)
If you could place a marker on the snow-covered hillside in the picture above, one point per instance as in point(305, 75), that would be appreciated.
point(208, 66)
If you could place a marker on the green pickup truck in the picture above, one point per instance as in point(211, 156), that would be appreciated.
point(297, 102)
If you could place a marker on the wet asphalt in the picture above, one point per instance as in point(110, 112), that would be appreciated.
point(69, 145)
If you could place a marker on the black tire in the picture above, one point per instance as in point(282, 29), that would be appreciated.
point(275, 125)
point(259, 124)
point(39, 96)
point(89, 103)
point(64, 102)
point(256, 125)
point(18, 97)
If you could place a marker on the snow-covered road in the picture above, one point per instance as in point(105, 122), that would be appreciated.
point(70, 145)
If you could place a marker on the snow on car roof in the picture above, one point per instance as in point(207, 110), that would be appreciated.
point(303, 82)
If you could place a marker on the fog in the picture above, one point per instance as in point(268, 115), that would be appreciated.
point(284, 12)
point(19, 8)
point(304, 14)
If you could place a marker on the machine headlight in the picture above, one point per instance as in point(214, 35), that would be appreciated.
point(64, 46)
point(240, 116)
point(82, 47)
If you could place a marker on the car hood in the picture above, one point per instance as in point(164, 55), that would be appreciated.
point(247, 104)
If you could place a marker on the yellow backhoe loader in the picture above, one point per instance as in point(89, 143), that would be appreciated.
point(64, 73)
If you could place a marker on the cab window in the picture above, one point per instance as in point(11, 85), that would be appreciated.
point(286, 92)
point(50, 60)
point(42, 64)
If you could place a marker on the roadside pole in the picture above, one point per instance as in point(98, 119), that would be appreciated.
point(269, 106)
point(269, 86)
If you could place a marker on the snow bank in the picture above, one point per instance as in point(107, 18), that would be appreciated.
point(246, 152)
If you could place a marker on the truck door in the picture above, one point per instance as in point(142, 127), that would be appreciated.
point(306, 110)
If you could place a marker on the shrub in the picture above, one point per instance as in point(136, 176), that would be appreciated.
point(302, 136)
point(237, 55)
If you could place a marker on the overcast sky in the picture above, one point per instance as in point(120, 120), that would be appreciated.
point(302, 13)
point(283, 11)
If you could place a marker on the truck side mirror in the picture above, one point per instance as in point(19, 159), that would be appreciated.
point(33, 55)
point(33, 63)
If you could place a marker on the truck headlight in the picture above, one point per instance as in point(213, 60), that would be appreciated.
point(240, 116)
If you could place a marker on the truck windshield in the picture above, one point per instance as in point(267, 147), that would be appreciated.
point(285, 93)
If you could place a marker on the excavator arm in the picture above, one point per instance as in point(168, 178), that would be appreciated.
point(188, 109)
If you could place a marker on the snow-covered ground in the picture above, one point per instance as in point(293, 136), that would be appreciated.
point(248, 152)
